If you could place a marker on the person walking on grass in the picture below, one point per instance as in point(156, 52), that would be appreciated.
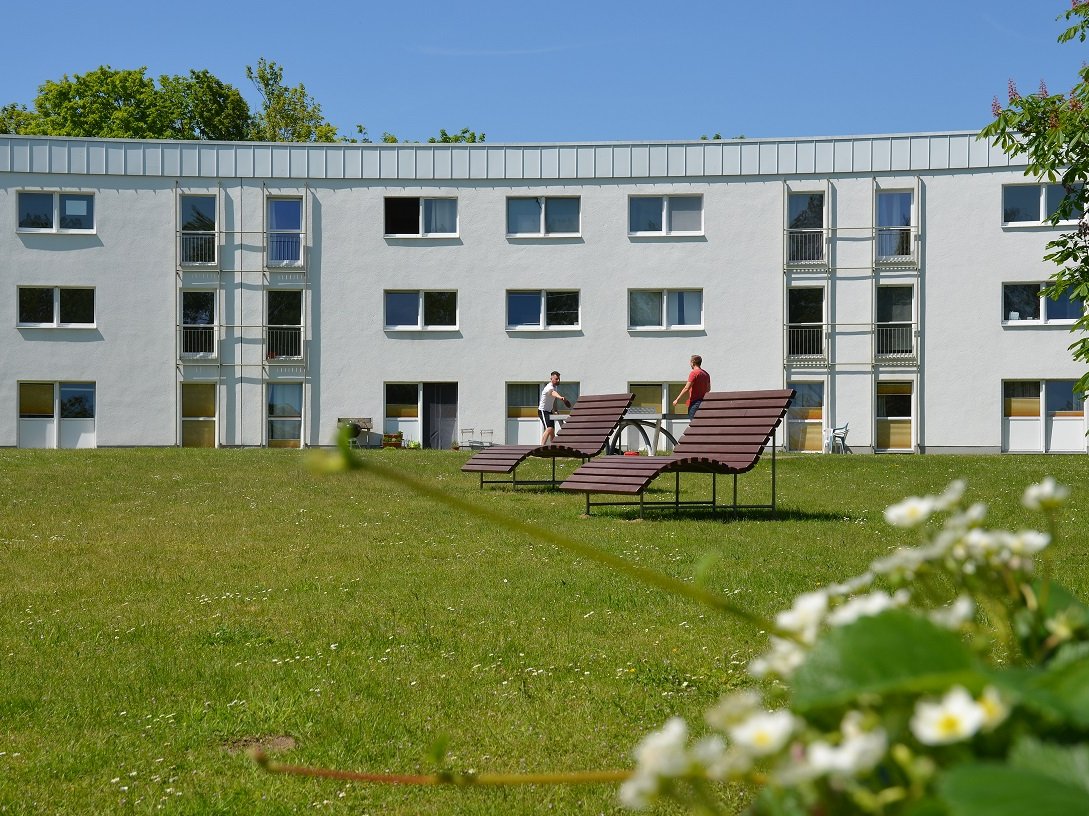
point(549, 396)
point(699, 383)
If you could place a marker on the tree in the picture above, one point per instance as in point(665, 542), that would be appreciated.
point(287, 114)
point(1051, 131)
point(200, 106)
point(463, 136)
point(104, 103)
point(16, 119)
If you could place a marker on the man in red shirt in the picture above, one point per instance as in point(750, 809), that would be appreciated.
point(699, 383)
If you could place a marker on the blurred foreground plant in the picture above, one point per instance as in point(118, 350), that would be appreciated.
point(950, 678)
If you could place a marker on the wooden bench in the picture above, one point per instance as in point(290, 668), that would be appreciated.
point(727, 436)
point(584, 435)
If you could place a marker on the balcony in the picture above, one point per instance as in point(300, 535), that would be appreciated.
point(805, 247)
point(281, 249)
point(894, 343)
point(198, 248)
point(805, 344)
point(896, 247)
point(285, 249)
point(283, 344)
point(198, 341)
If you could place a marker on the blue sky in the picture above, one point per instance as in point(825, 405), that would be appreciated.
point(580, 71)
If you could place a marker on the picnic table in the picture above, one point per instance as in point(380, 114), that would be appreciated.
point(644, 420)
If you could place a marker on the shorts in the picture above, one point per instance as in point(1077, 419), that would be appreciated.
point(546, 419)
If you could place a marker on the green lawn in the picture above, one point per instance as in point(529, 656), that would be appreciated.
point(163, 608)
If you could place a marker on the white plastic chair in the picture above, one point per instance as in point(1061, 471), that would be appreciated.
point(837, 439)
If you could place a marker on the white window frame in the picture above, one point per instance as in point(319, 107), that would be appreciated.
point(57, 229)
point(1044, 221)
point(823, 230)
point(665, 325)
point(271, 234)
point(420, 325)
point(300, 418)
point(667, 199)
point(420, 216)
point(1043, 319)
point(895, 260)
point(213, 326)
point(542, 232)
point(56, 323)
point(215, 232)
point(543, 325)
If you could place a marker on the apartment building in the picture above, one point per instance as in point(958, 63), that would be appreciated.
point(241, 294)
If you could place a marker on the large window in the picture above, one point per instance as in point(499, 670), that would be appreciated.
point(894, 416)
point(524, 398)
point(285, 239)
point(198, 229)
point(284, 330)
point(198, 415)
point(285, 415)
point(421, 217)
point(894, 330)
point(542, 309)
point(665, 308)
point(805, 227)
point(53, 306)
point(543, 216)
point(805, 420)
point(656, 396)
point(198, 323)
point(805, 321)
point(1025, 302)
point(57, 415)
point(416, 309)
point(894, 208)
point(1032, 203)
point(56, 212)
point(665, 215)
point(402, 400)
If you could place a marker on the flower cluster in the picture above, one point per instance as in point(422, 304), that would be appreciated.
point(898, 686)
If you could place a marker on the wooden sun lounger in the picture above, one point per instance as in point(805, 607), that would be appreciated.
point(584, 435)
point(728, 435)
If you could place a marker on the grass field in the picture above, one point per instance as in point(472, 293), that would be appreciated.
point(163, 609)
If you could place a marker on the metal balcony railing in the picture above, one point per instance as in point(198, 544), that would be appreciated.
point(284, 248)
point(281, 249)
point(895, 246)
point(197, 248)
point(805, 341)
point(283, 343)
point(805, 246)
point(894, 340)
point(198, 340)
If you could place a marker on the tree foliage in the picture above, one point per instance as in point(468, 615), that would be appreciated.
point(286, 114)
point(201, 106)
point(1051, 131)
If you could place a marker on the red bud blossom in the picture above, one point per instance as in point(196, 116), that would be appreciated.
point(1011, 90)
point(996, 109)
point(1043, 88)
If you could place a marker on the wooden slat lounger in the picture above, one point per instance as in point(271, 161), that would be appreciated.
point(729, 433)
point(584, 435)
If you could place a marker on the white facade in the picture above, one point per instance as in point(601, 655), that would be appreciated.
point(166, 292)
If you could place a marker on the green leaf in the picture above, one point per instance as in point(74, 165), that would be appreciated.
point(1063, 687)
point(892, 653)
point(1066, 763)
point(999, 790)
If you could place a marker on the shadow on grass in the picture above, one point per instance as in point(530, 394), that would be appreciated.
point(667, 512)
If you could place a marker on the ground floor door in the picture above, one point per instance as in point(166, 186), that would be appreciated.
point(440, 415)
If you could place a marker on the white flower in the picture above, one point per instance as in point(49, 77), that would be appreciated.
point(718, 761)
point(866, 606)
point(638, 791)
point(950, 496)
point(957, 716)
point(1047, 495)
point(853, 756)
point(662, 753)
point(804, 617)
point(903, 562)
point(851, 585)
point(956, 614)
point(732, 709)
point(764, 733)
point(783, 659)
point(1028, 542)
point(911, 512)
point(995, 709)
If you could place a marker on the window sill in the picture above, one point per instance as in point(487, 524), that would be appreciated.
point(58, 327)
point(1032, 226)
point(421, 329)
point(665, 329)
point(431, 236)
point(537, 236)
point(544, 329)
point(699, 234)
point(1038, 324)
point(34, 231)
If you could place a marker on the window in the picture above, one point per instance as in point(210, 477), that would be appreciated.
point(198, 229)
point(665, 308)
point(656, 397)
point(537, 309)
point(402, 400)
point(284, 330)
point(524, 398)
point(1032, 203)
point(284, 232)
point(421, 310)
point(198, 323)
point(56, 212)
point(285, 415)
point(894, 225)
point(543, 216)
point(421, 217)
point(1061, 399)
point(894, 336)
point(805, 419)
point(56, 306)
point(1021, 399)
point(805, 227)
point(198, 415)
point(805, 321)
point(894, 416)
point(1025, 302)
point(56, 415)
point(665, 215)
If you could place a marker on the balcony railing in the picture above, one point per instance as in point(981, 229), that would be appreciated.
point(805, 341)
point(895, 341)
point(197, 248)
point(198, 341)
point(895, 246)
point(284, 249)
point(283, 343)
point(805, 247)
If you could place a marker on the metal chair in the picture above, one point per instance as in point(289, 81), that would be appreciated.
point(837, 439)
